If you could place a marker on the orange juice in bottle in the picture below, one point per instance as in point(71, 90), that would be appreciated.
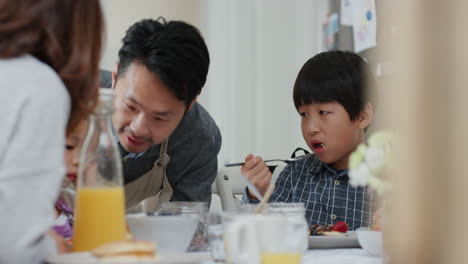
point(100, 203)
point(100, 217)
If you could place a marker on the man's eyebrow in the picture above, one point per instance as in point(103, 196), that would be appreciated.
point(154, 113)
point(164, 113)
point(130, 98)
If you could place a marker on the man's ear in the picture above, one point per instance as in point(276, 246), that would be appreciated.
point(192, 103)
point(114, 74)
point(366, 116)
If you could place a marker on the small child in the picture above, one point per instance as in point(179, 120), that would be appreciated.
point(331, 99)
point(66, 201)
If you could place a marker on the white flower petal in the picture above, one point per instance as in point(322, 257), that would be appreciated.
point(359, 176)
point(375, 158)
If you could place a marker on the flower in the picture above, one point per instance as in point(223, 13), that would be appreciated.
point(368, 161)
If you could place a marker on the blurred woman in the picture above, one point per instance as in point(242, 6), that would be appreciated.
point(49, 55)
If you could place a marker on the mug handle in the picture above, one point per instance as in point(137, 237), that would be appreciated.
point(240, 242)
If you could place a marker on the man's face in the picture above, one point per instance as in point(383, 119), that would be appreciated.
point(329, 132)
point(146, 111)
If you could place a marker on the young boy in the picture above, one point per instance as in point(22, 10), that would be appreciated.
point(330, 96)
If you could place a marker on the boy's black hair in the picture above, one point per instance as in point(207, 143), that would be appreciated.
point(175, 51)
point(334, 76)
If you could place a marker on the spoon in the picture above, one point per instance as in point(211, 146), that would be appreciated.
point(265, 199)
point(253, 189)
point(282, 160)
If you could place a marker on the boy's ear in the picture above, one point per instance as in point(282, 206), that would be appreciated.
point(114, 74)
point(366, 116)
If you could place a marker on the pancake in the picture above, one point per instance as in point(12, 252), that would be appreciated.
point(126, 250)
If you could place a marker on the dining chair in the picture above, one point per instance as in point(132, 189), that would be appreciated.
point(230, 185)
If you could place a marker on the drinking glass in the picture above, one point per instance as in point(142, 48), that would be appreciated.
point(215, 236)
point(200, 209)
point(254, 239)
point(297, 224)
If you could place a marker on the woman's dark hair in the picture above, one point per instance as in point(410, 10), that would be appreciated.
point(175, 51)
point(66, 35)
point(339, 76)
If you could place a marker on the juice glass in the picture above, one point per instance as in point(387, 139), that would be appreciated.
point(281, 258)
point(254, 239)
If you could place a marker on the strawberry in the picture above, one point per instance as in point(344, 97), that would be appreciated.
point(340, 227)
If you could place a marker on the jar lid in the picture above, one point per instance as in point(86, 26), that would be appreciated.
point(183, 208)
point(286, 208)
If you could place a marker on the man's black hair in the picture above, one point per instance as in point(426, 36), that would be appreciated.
point(339, 76)
point(175, 51)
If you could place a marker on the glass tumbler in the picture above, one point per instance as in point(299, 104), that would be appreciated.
point(200, 209)
point(215, 230)
point(295, 212)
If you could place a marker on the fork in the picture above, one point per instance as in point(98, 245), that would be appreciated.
point(287, 161)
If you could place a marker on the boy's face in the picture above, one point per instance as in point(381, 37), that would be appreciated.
point(146, 110)
point(329, 132)
point(73, 145)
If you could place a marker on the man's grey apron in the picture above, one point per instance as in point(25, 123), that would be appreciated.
point(152, 188)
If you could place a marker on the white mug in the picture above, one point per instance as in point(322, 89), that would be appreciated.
point(247, 237)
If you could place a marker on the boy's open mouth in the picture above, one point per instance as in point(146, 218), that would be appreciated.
point(317, 146)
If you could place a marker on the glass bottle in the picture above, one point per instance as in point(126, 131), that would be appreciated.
point(100, 206)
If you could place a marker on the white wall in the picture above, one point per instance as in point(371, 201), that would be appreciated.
point(256, 47)
point(121, 14)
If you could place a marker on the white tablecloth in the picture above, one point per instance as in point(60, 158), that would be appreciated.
point(339, 256)
point(335, 256)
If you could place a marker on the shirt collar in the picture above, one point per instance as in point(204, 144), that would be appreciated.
point(318, 165)
point(152, 152)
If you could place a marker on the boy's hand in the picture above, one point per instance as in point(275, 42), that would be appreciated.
point(256, 170)
point(377, 220)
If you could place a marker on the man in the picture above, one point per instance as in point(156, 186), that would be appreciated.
point(169, 142)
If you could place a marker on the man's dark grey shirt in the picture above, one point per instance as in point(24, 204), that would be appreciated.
point(193, 150)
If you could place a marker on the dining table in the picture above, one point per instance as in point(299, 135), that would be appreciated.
point(332, 256)
point(339, 256)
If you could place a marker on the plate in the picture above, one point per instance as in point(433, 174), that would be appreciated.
point(72, 258)
point(167, 258)
point(348, 241)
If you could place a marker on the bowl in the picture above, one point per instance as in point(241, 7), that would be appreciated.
point(371, 241)
point(171, 233)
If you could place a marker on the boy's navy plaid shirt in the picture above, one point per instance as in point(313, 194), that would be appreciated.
point(327, 195)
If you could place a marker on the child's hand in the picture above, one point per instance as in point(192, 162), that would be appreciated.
point(62, 245)
point(256, 170)
point(377, 220)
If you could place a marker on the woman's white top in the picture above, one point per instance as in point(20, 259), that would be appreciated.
point(34, 109)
